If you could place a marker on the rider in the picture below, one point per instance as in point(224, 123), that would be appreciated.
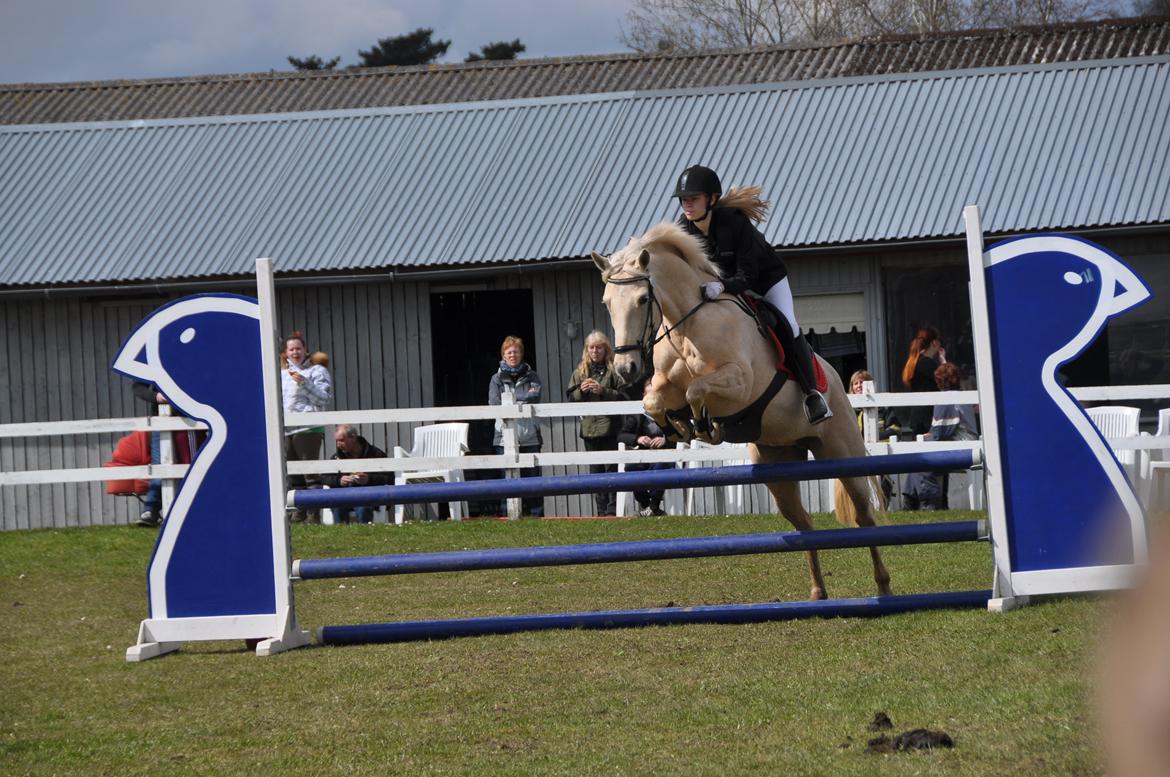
point(747, 261)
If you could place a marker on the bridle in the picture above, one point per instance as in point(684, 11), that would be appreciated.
point(644, 345)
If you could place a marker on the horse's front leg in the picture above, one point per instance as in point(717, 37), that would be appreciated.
point(729, 383)
point(662, 395)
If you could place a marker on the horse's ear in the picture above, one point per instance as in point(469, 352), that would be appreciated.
point(644, 259)
point(601, 262)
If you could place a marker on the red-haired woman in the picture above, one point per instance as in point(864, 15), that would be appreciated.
point(926, 355)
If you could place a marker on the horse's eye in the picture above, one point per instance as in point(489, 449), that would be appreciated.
point(643, 299)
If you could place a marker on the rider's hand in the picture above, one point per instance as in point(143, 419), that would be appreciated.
point(712, 290)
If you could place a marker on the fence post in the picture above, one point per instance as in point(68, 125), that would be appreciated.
point(166, 455)
point(869, 415)
point(511, 450)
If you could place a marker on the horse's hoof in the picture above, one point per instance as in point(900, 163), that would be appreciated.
point(817, 594)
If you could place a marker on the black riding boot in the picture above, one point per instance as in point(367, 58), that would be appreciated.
point(800, 360)
point(816, 409)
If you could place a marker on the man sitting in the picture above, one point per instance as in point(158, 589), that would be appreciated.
point(351, 445)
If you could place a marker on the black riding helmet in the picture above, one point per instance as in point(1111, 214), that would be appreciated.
point(697, 179)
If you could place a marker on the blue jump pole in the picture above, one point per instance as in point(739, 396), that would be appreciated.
point(648, 480)
point(663, 616)
point(643, 550)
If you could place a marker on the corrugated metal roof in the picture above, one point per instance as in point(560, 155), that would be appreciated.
point(439, 84)
point(845, 161)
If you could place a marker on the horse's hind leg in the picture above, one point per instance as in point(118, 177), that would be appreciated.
point(787, 496)
point(861, 499)
point(861, 496)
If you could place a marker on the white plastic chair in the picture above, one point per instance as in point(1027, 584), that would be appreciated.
point(435, 441)
point(1160, 466)
point(672, 500)
point(1118, 421)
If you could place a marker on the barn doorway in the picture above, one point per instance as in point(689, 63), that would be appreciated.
point(468, 327)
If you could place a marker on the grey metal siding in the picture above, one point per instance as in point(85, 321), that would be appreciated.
point(846, 161)
point(377, 336)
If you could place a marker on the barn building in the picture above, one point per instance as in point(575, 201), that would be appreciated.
point(416, 216)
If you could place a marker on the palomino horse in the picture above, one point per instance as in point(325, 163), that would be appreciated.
point(711, 357)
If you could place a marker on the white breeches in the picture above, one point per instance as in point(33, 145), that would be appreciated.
point(780, 295)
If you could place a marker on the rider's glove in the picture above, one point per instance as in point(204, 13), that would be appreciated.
point(712, 290)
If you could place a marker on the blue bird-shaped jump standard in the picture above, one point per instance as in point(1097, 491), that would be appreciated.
point(214, 554)
point(1067, 497)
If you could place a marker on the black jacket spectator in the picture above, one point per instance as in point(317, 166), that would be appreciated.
point(365, 451)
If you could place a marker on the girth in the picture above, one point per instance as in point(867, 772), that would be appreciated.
point(746, 425)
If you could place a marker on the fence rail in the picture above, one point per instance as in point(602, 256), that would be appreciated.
point(508, 415)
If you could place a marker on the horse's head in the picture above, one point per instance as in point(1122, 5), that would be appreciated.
point(656, 274)
point(629, 297)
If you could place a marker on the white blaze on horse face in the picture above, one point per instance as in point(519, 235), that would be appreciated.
point(628, 304)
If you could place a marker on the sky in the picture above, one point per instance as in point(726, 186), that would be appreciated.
point(96, 40)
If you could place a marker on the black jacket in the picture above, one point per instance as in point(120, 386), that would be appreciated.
point(365, 451)
point(742, 253)
point(634, 426)
point(147, 392)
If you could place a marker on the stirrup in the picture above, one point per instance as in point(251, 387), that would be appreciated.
point(816, 409)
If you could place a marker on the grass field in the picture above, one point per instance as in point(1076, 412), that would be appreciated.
point(783, 698)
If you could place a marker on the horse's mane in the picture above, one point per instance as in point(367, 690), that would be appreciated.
point(670, 237)
point(748, 200)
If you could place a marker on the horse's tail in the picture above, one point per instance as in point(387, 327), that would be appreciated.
point(747, 199)
point(846, 511)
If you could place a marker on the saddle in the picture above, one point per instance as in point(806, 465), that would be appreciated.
point(768, 321)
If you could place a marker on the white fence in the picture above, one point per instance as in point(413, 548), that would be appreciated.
point(755, 499)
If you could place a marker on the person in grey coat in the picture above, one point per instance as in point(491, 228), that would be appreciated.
point(523, 382)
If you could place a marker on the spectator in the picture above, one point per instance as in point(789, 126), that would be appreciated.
point(928, 490)
point(307, 388)
point(184, 446)
point(887, 424)
point(926, 354)
point(351, 445)
point(887, 417)
point(519, 379)
point(641, 432)
point(594, 380)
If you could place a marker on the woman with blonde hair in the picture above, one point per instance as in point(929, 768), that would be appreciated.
point(594, 380)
